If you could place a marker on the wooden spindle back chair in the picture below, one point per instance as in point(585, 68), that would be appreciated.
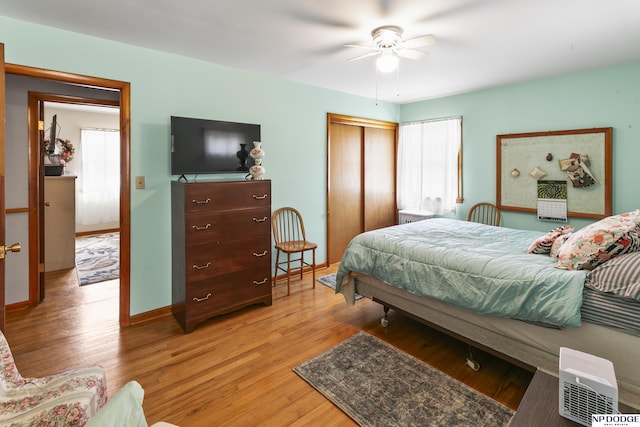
point(291, 239)
point(484, 213)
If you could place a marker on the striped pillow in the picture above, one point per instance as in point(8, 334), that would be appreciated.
point(619, 276)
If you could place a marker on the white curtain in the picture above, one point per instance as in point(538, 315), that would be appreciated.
point(428, 165)
point(98, 183)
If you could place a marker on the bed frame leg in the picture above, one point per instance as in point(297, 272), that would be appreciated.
point(471, 361)
point(385, 319)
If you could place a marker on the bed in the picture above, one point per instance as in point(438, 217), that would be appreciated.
point(480, 284)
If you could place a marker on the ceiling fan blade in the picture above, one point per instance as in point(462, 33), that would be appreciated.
point(366, 55)
point(327, 21)
point(420, 41)
point(411, 53)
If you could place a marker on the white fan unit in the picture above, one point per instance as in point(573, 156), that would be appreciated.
point(587, 386)
point(388, 45)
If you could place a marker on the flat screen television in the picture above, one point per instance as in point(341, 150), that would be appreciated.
point(52, 134)
point(201, 146)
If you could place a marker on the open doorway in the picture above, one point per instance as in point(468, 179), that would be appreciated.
point(81, 191)
point(69, 84)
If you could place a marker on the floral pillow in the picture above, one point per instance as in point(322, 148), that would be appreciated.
point(543, 244)
point(599, 242)
point(557, 244)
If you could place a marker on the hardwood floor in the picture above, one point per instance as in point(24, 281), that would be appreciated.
point(234, 370)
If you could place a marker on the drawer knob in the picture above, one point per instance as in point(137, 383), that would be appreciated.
point(264, 196)
point(263, 219)
point(261, 282)
point(195, 227)
point(196, 299)
point(201, 267)
point(201, 202)
point(255, 254)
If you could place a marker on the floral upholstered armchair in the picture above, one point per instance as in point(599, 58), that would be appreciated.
point(69, 398)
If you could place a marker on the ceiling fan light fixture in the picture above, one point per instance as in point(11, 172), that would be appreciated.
point(387, 36)
point(387, 61)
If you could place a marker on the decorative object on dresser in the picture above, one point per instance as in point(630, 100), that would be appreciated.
point(257, 153)
point(59, 152)
point(221, 248)
point(291, 239)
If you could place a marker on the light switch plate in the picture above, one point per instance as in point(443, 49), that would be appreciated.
point(139, 182)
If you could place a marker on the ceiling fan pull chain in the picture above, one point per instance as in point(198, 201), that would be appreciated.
point(376, 86)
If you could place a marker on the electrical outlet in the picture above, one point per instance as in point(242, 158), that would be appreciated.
point(139, 182)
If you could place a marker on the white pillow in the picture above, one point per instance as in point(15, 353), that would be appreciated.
point(123, 409)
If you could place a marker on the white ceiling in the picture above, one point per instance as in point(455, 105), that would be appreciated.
point(480, 43)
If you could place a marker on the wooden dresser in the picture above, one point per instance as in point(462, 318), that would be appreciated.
point(221, 255)
point(59, 222)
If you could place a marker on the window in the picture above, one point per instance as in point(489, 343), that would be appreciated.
point(429, 175)
point(98, 192)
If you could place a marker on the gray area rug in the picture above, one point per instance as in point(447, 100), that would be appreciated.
point(378, 385)
point(330, 281)
point(98, 258)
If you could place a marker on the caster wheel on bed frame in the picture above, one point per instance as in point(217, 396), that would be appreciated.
point(471, 361)
point(385, 319)
point(473, 364)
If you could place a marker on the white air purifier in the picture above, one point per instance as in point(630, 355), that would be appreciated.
point(587, 386)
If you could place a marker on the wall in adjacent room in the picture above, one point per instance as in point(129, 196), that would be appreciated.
point(606, 97)
point(71, 122)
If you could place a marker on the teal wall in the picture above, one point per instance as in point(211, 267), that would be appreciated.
point(293, 119)
point(607, 97)
point(292, 115)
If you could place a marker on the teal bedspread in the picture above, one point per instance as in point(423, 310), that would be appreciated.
point(478, 267)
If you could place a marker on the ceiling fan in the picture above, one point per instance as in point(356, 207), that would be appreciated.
point(389, 45)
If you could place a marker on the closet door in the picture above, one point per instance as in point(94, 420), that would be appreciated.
point(360, 180)
point(379, 178)
point(344, 201)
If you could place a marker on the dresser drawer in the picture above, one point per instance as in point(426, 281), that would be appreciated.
point(227, 290)
point(235, 195)
point(204, 261)
point(221, 253)
point(211, 227)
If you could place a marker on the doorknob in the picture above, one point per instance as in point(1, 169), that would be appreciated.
point(13, 248)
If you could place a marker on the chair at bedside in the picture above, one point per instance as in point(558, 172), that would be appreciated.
point(71, 397)
point(484, 213)
point(291, 239)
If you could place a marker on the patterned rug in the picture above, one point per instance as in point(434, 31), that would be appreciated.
point(330, 281)
point(378, 385)
point(97, 258)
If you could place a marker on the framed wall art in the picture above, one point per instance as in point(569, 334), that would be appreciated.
point(580, 157)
